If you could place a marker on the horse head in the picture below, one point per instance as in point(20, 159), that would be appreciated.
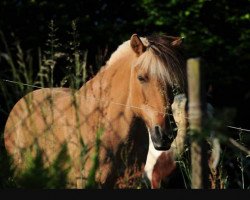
point(156, 68)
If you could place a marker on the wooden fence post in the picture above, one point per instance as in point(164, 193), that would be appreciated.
point(196, 112)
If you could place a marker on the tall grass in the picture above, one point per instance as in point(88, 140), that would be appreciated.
point(37, 175)
point(23, 79)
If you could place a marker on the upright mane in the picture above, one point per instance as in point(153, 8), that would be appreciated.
point(123, 50)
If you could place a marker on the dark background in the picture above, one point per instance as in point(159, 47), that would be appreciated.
point(216, 31)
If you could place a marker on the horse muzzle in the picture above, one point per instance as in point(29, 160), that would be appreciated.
point(161, 138)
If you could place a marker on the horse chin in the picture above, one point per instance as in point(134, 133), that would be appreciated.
point(162, 147)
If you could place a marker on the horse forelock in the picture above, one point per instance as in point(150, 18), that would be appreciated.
point(163, 61)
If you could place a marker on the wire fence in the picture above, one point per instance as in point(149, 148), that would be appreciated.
point(116, 103)
point(231, 141)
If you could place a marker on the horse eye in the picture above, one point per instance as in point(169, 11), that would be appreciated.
point(142, 79)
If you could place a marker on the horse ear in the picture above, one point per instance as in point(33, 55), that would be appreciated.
point(137, 45)
point(177, 41)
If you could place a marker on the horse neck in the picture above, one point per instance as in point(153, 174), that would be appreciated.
point(111, 86)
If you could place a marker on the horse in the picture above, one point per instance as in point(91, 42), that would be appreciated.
point(129, 98)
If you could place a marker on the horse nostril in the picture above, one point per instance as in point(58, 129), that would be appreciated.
point(158, 130)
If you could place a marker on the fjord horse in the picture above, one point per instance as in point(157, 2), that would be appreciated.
point(129, 98)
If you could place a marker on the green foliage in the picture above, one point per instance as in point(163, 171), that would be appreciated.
point(91, 183)
point(6, 170)
point(76, 73)
point(217, 31)
point(37, 175)
point(59, 169)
